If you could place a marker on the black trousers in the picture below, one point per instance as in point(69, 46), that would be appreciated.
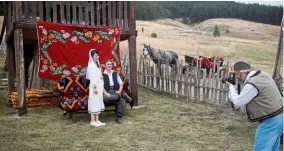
point(118, 103)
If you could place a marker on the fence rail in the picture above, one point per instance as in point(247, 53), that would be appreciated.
point(186, 82)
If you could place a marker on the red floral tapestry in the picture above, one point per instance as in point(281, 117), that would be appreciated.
point(64, 49)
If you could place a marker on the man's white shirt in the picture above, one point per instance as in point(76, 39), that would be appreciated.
point(111, 78)
point(246, 95)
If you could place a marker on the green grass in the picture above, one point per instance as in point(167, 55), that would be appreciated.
point(163, 124)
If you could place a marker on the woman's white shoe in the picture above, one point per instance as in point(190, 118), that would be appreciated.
point(100, 123)
point(95, 124)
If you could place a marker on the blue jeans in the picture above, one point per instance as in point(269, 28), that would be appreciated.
point(268, 133)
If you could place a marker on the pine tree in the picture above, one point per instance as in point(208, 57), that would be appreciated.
point(216, 32)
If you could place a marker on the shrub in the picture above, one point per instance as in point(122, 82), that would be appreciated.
point(154, 35)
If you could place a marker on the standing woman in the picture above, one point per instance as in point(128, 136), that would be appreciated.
point(96, 88)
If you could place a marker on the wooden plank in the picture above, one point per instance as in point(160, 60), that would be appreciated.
point(217, 83)
point(62, 16)
point(41, 10)
point(167, 76)
point(104, 18)
point(158, 76)
point(204, 85)
point(26, 9)
point(125, 17)
point(81, 15)
point(36, 80)
point(87, 14)
point(9, 18)
point(226, 87)
point(179, 76)
point(47, 6)
point(139, 69)
point(120, 3)
point(109, 13)
point(74, 13)
point(152, 76)
point(143, 71)
point(186, 86)
point(92, 13)
point(98, 6)
point(199, 79)
point(20, 65)
point(221, 86)
point(34, 10)
point(68, 17)
point(54, 11)
point(209, 85)
point(196, 79)
point(213, 79)
point(148, 72)
point(114, 13)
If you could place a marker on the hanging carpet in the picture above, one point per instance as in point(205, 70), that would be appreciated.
point(64, 49)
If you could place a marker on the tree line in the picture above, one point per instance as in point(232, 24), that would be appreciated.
point(198, 11)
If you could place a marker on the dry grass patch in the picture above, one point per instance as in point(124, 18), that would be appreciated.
point(163, 124)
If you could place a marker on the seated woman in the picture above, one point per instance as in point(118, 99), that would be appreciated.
point(113, 86)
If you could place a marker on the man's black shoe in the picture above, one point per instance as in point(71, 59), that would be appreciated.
point(118, 120)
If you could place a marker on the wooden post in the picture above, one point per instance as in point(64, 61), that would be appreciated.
point(10, 51)
point(132, 54)
point(279, 59)
point(20, 64)
point(11, 67)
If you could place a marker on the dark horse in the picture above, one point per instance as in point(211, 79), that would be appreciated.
point(162, 56)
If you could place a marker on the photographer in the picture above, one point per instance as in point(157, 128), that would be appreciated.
point(263, 103)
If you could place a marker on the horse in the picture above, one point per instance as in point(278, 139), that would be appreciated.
point(162, 56)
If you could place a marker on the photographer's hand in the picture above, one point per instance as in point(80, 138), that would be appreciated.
point(228, 83)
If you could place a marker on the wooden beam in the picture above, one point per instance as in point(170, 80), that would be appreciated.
point(132, 54)
point(20, 64)
point(32, 26)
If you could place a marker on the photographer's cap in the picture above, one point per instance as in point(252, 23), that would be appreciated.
point(242, 66)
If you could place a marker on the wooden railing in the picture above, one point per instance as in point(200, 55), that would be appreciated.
point(188, 84)
point(93, 13)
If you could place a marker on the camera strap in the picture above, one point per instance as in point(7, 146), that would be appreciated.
point(256, 73)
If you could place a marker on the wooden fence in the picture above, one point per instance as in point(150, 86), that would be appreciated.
point(188, 84)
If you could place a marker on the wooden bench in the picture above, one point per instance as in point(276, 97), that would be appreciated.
point(72, 114)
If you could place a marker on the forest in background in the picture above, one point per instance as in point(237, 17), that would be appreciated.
point(198, 11)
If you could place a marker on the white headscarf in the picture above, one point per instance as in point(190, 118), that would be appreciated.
point(93, 72)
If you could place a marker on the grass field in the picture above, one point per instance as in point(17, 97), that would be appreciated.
point(163, 124)
point(250, 41)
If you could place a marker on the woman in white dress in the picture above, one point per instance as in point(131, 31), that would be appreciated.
point(96, 87)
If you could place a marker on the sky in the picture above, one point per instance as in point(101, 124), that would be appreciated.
point(279, 2)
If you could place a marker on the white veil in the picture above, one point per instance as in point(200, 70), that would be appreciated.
point(92, 70)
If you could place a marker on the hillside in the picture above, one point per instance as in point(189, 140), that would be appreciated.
point(240, 43)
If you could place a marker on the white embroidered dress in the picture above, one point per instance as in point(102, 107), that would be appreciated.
point(95, 101)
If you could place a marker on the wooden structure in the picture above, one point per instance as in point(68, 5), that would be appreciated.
point(21, 36)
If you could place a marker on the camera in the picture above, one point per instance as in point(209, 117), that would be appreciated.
point(231, 78)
